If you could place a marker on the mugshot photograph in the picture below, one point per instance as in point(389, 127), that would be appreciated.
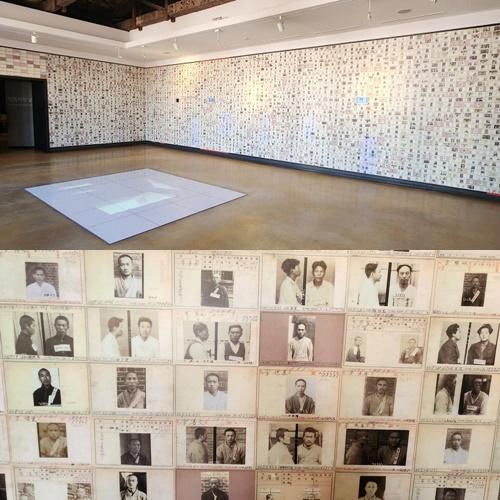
point(320, 290)
point(135, 449)
point(483, 350)
point(450, 494)
point(47, 394)
point(281, 449)
point(131, 388)
point(52, 441)
point(42, 280)
point(26, 491)
point(133, 486)
point(234, 347)
point(214, 486)
point(299, 402)
point(301, 339)
point(27, 328)
point(309, 445)
point(200, 445)
point(128, 275)
point(230, 445)
point(379, 396)
point(58, 330)
point(215, 390)
point(216, 288)
point(453, 337)
point(402, 287)
point(474, 288)
point(392, 447)
point(371, 488)
point(199, 339)
point(114, 325)
point(290, 285)
point(474, 394)
point(444, 399)
point(144, 342)
point(356, 350)
point(372, 288)
point(411, 352)
point(457, 446)
point(79, 491)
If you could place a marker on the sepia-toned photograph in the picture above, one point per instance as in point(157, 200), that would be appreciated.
point(444, 399)
point(135, 449)
point(128, 275)
point(290, 282)
point(58, 335)
point(379, 396)
point(301, 333)
point(298, 401)
point(474, 289)
point(46, 384)
point(199, 340)
point(131, 388)
point(217, 288)
point(230, 445)
point(356, 352)
point(453, 343)
point(403, 285)
point(482, 344)
point(28, 332)
point(371, 488)
point(215, 390)
point(215, 485)
point(79, 491)
point(26, 491)
point(115, 340)
point(42, 280)
point(52, 440)
point(372, 289)
point(411, 352)
point(133, 485)
point(200, 443)
point(474, 394)
point(450, 494)
point(457, 446)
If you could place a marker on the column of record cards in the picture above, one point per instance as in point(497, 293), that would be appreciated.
point(269, 375)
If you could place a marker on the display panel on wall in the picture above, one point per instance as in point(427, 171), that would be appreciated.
point(291, 375)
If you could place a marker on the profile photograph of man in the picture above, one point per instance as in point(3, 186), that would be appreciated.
point(128, 275)
point(401, 292)
point(39, 286)
point(300, 346)
point(355, 353)
point(309, 451)
point(445, 393)
point(135, 449)
point(26, 491)
point(279, 451)
point(474, 395)
point(457, 446)
point(412, 353)
point(474, 289)
point(450, 494)
point(200, 348)
point(231, 450)
point(79, 491)
point(24, 342)
point(131, 396)
point(215, 391)
point(197, 451)
point(52, 442)
point(368, 294)
point(144, 344)
point(319, 291)
point(358, 449)
point(449, 353)
point(214, 288)
point(110, 347)
point(395, 449)
point(60, 344)
point(214, 492)
point(47, 394)
point(371, 488)
point(300, 402)
point(482, 352)
point(234, 349)
point(380, 401)
point(133, 486)
point(290, 293)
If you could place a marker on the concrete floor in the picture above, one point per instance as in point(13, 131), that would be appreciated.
point(284, 208)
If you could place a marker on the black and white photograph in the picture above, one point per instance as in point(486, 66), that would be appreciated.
point(115, 328)
point(356, 350)
point(28, 333)
point(133, 485)
point(42, 280)
point(144, 341)
point(376, 447)
point(79, 491)
point(200, 445)
point(411, 352)
point(373, 286)
point(371, 488)
point(282, 445)
point(215, 485)
point(301, 394)
point(320, 282)
point(26, 491)
point(128, 275)
point(290, 281)
point(215, 390)
point(474, 394)
point(230, 445)
point(135, 448)
point(483, 338)
point(52, 440)
point(57, 331)
point(46, 384)
point(217, 288)
point(444, 399)
point(457, 446)
point(450, 494)
point(403, 284)
point(233, 342)
point(453, 342)
point(301, 333)
point(309, 441)
point(199, 341)
point(474, 289)
point(379, 396)
point(131, 388)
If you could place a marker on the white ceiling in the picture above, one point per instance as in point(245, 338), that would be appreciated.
point(245, 26)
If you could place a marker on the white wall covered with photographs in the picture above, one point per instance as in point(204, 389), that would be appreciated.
point(242, 375)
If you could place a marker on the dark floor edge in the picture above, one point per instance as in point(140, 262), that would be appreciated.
point(299, 166)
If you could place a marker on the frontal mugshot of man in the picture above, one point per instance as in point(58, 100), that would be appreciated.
point(319, 292)
point(412, 355)
point(354, 354)
point(214, 492)
point(234, 350)
point(392, 453)
point(475, 401)
point(144, 345)
point(473, 296)
point(40, 288)
point(300, 348)
point(449, 353)
point(213, 398)
point(371, 488)
point(134, 455)
point(403, 293)
point(126, 284)
point(309, 453)
point(230, 451)
point(290, 293)
point(26, 491)
point(379, 403)
point(24, 342)
point(132, 491)
point(300, 402)
point(448, 494)
point(61, 344)
point(46, 394)
point(197, 452)
point(455, 454)
point(368, 291)
point(132, 397)
point(54, 444)
point(482, 352)
point(109, 345)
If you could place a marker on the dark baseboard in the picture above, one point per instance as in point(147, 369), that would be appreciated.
point(339, 173)
point(95, 146)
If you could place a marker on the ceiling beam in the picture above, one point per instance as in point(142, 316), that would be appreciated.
point(169, 12)
point(152, 5)
point(55, 5)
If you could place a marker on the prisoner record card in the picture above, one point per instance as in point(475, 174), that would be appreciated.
point(437, 486)
point(289, 485)
point(355, 485)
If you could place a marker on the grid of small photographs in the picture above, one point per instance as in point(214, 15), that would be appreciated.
point(269, 375)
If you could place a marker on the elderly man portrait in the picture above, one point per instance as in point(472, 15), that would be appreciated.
point(133, 455)
point(455, 454)
point(482, 352)
point(300, 402)
point(132, 397)
point(109, 344)
point(144, 345)
point(309, 453)
point(443, 401)
point(40, 289)
point(199, 349)
point(213, 398)
point(54, 444)
point(279, 454)
point(379, 403)
point(46, 394)
point(392, 453)
point(475, 401)
point(290, 293)
point(234, 350)
point(319, 292)
point(449, 353)
point(214, 492)
point(368, 291)
point(473, 296)
point(132, 491)
point(127, 285)
point(402, 293)
point(61, 344)
point(24, 342)
point(300, 348)
point(230, 451)
point(197, 452)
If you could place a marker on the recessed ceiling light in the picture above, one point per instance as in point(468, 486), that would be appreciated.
point(280, 24)
point(34, 38)
point(175, 45)
point(404, 11)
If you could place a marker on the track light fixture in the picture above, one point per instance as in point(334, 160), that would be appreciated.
point(369, 14)
point(34, 38)
point(175, 45)
point(280, 24)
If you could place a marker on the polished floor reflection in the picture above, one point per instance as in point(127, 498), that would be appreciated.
point(283, 208)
